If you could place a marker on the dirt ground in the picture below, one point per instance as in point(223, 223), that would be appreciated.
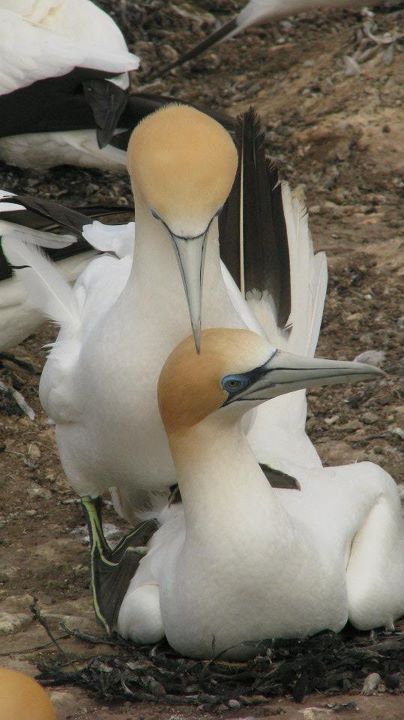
point(331, 100)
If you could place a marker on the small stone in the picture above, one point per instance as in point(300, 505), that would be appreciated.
point(11, 623)
point(371, 357)
point(369, 418)
point(38, 492)
point(352, 425)
point(156, 688)
point(33, 451)
point(315, 713)
point(371, 683)
point(392, 681)
point(331, 420)
point(234, 704)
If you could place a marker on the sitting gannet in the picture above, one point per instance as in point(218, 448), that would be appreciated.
point(258, 12)
point(240, 561)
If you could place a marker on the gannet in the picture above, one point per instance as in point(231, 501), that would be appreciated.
point(258, 12)
point(64, 71)
point(64, 89)
point(240, 562)
point(128, 310)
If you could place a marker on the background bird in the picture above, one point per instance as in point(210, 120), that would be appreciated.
point(64, 91)
point(257, 12)
point(59, 81)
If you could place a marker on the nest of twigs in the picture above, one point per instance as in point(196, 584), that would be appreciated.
point(328, 663)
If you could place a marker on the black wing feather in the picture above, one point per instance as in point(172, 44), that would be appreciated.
point(256, 252)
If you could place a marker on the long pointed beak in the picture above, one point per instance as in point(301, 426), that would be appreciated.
point(284, 373)
point(190, 254)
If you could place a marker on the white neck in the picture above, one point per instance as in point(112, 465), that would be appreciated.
point(226, 496)
point(155, 286)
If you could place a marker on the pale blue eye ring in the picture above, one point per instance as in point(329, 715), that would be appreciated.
point(234, 383)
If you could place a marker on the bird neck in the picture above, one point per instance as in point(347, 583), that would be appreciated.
point(222, 485)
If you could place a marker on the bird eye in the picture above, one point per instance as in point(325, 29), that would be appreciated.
point(234, 383)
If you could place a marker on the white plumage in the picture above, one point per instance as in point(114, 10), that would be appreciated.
point(36, 45)
point(241, 562)
point(48, 39)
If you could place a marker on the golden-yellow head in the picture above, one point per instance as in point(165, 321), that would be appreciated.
point(191, 385)
point(182, 164)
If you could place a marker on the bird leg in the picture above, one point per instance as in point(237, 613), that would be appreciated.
point(112, 569)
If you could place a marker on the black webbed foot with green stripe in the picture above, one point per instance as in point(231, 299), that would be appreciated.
point(112, 569)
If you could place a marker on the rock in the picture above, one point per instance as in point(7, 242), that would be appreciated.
point(38, 492)
point(371, 357)
point(392, 681)
point(331, 420)
point(33, 451)
point(234, 704)
point(12, 622)
point(369, 418)
point(315, 713)
point(371, 683)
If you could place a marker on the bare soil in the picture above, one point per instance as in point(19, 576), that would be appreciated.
point(339, 135)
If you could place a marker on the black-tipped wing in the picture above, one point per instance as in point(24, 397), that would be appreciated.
point(252, 227)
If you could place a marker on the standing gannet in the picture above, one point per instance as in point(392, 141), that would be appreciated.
point(242, 562)
point(127, 313)
point(258, 12)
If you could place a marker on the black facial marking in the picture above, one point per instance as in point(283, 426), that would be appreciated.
point(235, 384)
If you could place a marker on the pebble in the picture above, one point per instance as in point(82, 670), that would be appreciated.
point(369, 418)
point(371, 683)
point(315, 713)
point(234, 704)
point(33, 451)
point(371, 357)
point(10, 623)
point(36, 491)
point(392, 681)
